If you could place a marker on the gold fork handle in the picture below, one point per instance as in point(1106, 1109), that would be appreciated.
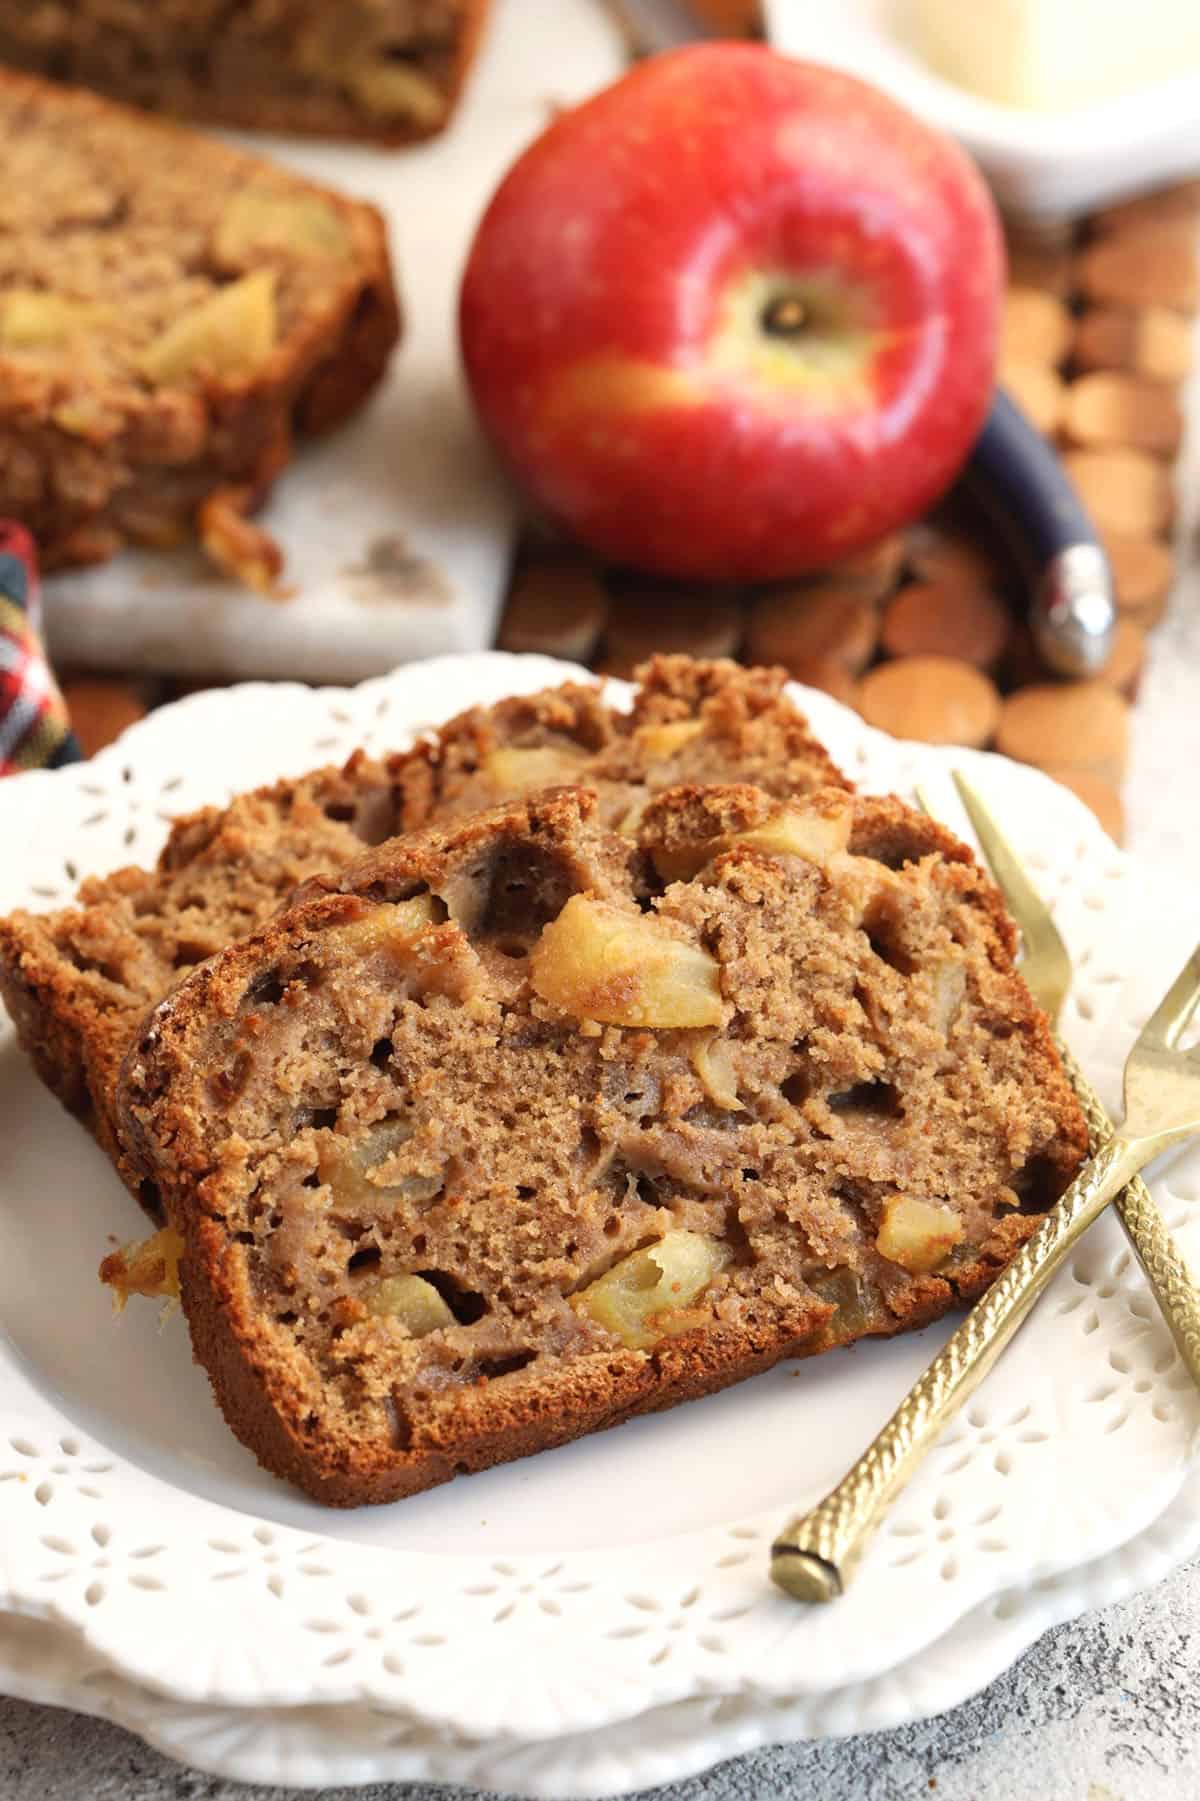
point(815, 1553)
point(1168, 1275)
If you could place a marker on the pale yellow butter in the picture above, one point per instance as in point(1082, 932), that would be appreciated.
point(1054, 55)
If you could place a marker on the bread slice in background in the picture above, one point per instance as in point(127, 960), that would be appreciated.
point(329, 68)
point(174, 314)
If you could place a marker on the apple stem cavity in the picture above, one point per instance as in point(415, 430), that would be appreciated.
point(786, 316)
point(735, 317)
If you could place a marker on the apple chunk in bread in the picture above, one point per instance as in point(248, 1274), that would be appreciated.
point(394, 928)
point(816, 836)
point(636, 1298)
point(413, 1302)
point(918, 1235)
point(517, 769)
point(599, 961)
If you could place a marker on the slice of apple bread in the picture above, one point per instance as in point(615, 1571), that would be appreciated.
point(78, 981)
point(388, 70)
point(174, 315)
point(520, 1126)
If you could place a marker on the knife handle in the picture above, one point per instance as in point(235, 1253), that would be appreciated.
point(1019, 479)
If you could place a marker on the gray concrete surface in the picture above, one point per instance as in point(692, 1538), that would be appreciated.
point(1104, 1709)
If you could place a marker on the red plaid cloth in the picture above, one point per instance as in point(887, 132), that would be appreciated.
point(35, 732)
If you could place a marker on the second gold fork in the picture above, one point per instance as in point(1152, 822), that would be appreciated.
point(1046, 967)
point(812, 1557)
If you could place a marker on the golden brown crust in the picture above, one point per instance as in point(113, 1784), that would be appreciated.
point(281, 1400)
point(94, 453)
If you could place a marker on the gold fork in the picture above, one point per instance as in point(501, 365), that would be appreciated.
point(1046, 967)
point(813, 1556)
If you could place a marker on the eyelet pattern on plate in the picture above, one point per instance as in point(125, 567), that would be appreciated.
point(196, 1602)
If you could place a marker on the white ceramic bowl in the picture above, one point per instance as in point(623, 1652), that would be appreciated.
point(1042, 167)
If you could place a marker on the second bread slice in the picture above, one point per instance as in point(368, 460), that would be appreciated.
point(173, 314)
point(333, 68)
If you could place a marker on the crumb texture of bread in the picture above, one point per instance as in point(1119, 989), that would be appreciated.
point(384, 70)
point(78, 981)
point(173, 314)
point(523, 1125)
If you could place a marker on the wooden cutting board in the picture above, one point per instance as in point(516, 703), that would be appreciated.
point(398, 529)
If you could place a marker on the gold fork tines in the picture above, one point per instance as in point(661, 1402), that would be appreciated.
point(1045, 959)
point(1046, 967)
point(814, 1555)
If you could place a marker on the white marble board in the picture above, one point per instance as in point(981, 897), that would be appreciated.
point(398, 529)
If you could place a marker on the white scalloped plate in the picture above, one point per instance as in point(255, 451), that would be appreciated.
point(624, 1574)
point(316, 1747)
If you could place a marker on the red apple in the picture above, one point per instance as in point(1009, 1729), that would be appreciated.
point(734, 317)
